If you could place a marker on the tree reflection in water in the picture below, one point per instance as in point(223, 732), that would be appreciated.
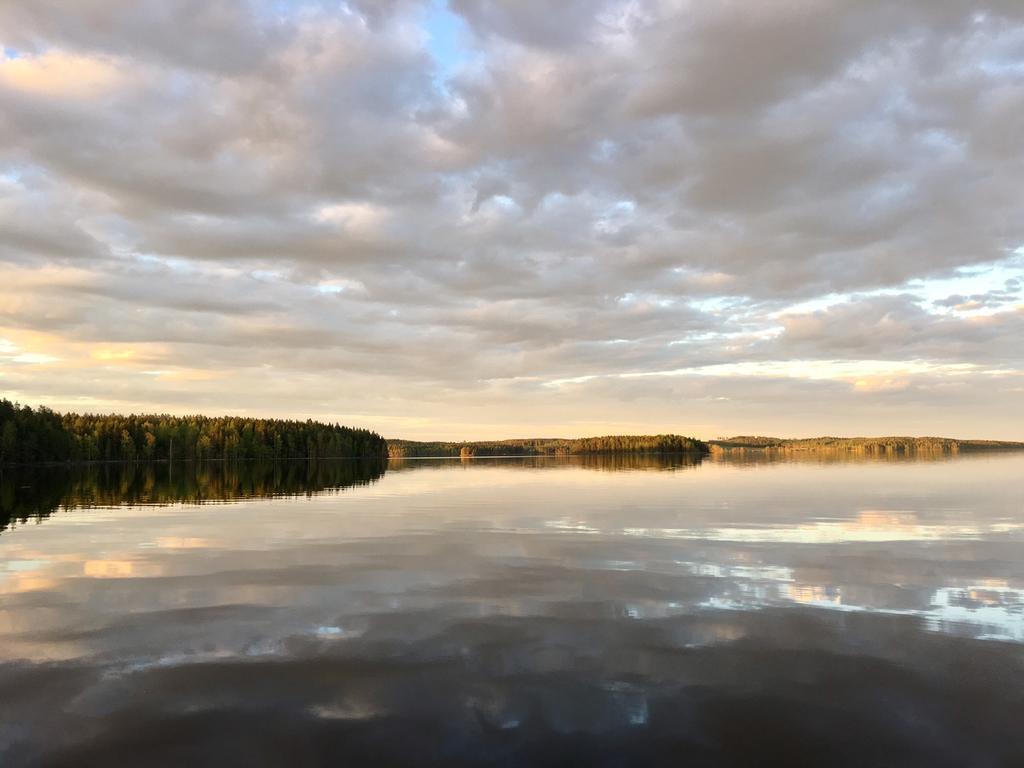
point(35, 493)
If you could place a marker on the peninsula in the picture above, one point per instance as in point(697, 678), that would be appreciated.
point(37, 436)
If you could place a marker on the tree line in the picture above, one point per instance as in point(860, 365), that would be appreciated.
point(864, 445)
point(30, 435)
point(608, 444)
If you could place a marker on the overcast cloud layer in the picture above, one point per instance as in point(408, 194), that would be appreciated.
point(488, 218)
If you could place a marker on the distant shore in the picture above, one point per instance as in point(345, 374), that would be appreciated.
point(863, 445)
point(41, 436)
point(543, 446)
point(622, 444)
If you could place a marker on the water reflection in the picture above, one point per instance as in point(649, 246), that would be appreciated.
point(508, 612)
point(599, 462)
point(37, 492)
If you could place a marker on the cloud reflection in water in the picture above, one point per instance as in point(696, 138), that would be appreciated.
point(520, 611)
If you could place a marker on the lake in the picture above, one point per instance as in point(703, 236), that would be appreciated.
point(590, 611)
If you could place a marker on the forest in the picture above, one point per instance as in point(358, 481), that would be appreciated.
point(608, 444)
point(39, 435)
point(862, 445)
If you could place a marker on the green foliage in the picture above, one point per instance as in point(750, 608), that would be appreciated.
point(40, 435)
point(609, 444)
point(863, 445)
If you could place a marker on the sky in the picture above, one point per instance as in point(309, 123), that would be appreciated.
point(471, 219)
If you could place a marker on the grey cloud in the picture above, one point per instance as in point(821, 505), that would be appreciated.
point(989, 299)
point(600, 189)
point(897, 327)
point(221, 35)
point(534, 22)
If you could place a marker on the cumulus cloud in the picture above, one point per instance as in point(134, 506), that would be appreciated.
point(596, 208)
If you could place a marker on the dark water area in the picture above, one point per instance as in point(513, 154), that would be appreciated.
point(593, 611)
point(35, 493)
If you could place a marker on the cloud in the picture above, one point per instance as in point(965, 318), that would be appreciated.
point(56, 74)
point(222, 35)
point(300, 195)
point(535, 22)
point(897, 327)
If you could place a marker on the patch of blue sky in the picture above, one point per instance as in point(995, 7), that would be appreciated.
point(1004, 277)
point(749, 334)
point(177, 265)
point(186, 268)
point(278, 10)
point(819, 303)
point(268, 275)
point(615, 217)
point(1002, 68)
point(504, 201)
point(446, 37)
point(645, 300)
point(716, 304)
point(340, 285)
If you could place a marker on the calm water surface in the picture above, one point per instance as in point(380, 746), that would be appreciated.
point(515, 612)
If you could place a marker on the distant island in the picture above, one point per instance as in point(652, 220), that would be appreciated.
point(35, 436)
point(625, 444)
point(861, 445)
point(607, 444)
